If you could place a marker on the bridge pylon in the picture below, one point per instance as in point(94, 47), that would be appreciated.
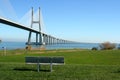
point(38, 35)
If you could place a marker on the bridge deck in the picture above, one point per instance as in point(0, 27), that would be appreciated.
point(17, 25)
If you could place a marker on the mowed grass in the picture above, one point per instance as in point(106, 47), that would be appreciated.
point(79, 65)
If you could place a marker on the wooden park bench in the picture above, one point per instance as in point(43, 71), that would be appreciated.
point(45, 61)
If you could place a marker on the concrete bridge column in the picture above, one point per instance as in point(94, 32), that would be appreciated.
point(43, 38)
point(40, 38)
point(60, 41)
point(63, 41)
point(36, 38)
point(29, 38)
point(52, 40)
point(46, 39)
point(55, 40)
point(49, 39)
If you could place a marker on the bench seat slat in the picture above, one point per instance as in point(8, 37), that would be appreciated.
point(44, 60)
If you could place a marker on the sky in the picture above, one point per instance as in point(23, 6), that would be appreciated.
point(92, 21)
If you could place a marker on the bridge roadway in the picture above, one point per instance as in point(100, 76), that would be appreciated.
point(47, 39)
point(14, 24)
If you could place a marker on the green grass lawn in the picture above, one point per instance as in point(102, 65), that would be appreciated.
point(79, 65)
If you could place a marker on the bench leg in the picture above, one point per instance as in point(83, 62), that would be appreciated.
point(38, 67)
point(50, 67)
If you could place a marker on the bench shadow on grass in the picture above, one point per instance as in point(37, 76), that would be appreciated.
point(28, 69)
point(117, 71)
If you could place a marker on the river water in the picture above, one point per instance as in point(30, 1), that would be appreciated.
point(22, 45)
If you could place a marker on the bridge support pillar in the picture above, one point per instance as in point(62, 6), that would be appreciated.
point(29, 38)
point(46, 39)
point(36, 38)
point(40, 39)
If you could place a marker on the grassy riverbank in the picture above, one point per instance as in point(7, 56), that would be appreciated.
point(79, 65)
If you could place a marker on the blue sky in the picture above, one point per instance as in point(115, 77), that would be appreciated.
point(76, 20)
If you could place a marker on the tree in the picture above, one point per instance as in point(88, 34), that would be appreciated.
point(107, 46)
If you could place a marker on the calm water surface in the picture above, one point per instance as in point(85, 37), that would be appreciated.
point(21, 45)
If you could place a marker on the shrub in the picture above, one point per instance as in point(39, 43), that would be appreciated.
point(94, 48)
point(28, 47)
point(107, 46)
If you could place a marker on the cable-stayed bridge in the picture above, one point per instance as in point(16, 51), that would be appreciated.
point(41, 38)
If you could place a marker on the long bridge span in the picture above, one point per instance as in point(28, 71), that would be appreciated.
point(41, 38)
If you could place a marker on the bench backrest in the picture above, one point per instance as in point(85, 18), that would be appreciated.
point(56, 60)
